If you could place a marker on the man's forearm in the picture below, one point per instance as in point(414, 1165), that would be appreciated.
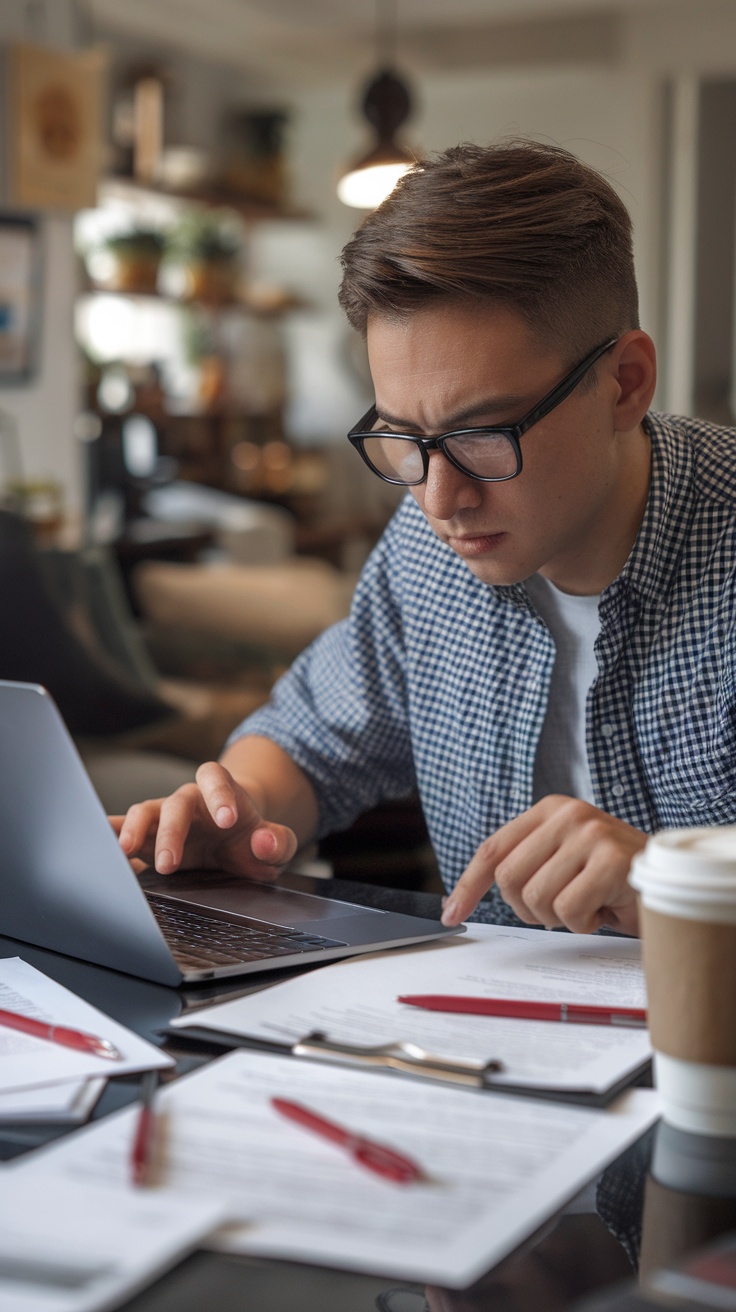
point(278, 786)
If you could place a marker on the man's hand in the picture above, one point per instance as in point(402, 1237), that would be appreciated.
point(561, 863)
point(211, 824)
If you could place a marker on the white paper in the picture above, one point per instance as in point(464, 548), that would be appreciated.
point(26, 1061)
point(354, 1002)
point(69, 1103)
point(498, 1166)
point(71, 1247)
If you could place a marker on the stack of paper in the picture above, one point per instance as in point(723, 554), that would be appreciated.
point(495, 1167)
point(45, 1081)
point(73, 1247)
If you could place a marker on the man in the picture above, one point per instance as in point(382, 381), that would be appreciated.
point(542, 642)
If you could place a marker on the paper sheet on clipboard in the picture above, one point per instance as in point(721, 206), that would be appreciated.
point(354, 1002)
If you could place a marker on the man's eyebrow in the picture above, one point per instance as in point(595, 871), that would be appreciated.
point(500, 406)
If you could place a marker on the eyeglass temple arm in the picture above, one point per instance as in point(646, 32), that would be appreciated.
point(558, 394)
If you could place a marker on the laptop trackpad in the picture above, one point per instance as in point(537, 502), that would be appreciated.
point(245, 897)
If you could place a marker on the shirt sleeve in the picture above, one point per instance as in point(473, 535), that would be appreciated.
point(340, 712)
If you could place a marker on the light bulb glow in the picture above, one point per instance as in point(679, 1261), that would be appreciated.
point(364, 189)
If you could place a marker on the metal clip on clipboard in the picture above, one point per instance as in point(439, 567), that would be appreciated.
point(406, 1057)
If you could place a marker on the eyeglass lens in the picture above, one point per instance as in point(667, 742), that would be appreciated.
point(399, 459)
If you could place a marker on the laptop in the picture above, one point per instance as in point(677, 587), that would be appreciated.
point(65, 884)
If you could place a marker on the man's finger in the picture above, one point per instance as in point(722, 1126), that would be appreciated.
point(136, 827)
point(480, 872)
point(274, 845)
point(475, 880)
point(599, 894)
point(540, 867)
point(218, 793)
point(513, 855)
point(175, 821)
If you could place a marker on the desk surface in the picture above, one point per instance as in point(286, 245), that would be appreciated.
point(575, 1255)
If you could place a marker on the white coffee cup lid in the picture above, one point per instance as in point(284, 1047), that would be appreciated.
point(690, 873)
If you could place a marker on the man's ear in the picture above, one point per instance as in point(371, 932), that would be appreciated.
point(633, 361)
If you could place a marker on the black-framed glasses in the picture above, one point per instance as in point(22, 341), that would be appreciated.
point(491, 454)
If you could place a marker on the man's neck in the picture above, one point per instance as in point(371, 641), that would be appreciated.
point(599, 559)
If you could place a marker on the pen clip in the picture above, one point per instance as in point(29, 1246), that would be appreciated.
point(406, 1057)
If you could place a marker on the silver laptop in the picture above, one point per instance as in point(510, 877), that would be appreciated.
point(66, 885)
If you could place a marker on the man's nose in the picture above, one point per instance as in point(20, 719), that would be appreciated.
point(447, 490)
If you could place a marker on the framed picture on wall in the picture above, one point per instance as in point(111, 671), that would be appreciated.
point(55, 111)
point(19, 298)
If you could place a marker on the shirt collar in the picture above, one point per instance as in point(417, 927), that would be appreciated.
point(667, 514)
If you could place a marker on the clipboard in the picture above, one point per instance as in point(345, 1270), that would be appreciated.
point(406, 1059)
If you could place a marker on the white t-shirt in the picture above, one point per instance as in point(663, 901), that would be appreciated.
point(561, 763)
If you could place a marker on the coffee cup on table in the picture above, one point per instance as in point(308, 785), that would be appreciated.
point(686, 881)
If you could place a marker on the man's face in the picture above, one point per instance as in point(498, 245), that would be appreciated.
point(458, 366)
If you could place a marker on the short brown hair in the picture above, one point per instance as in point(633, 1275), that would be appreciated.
point(518, 223)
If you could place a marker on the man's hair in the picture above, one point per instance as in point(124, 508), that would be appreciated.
point(519, 224)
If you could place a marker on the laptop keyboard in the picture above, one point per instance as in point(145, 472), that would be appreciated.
point(200, 941)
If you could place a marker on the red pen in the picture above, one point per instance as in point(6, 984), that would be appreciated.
point(77, 1039)
point(142, 1149)
point(375, 1156)
point(573, 1012)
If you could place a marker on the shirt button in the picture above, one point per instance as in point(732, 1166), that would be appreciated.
point(618, 790)
point(607, 730)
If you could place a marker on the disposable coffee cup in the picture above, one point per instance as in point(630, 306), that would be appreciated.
point(686, 881)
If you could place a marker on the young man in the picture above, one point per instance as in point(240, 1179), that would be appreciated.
point(542, 642)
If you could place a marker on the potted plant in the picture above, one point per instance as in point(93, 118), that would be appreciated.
point(208, 248)
point(132, 260)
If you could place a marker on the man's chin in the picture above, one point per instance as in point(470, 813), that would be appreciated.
point(487, 556)
point(497, 574)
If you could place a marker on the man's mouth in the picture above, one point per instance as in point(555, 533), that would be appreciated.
point(471, 545)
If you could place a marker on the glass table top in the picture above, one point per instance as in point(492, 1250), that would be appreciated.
point(669, 1194)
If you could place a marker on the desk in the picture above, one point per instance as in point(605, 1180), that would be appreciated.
point(575, 1255)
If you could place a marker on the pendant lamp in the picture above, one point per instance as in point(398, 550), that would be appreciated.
point(386, 105)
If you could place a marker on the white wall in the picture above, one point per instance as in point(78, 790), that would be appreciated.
point(44, 410)
point(693, 36)
point(608, 117)
point(611, 114)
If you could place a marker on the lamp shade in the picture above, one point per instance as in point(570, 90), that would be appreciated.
point(371, 178)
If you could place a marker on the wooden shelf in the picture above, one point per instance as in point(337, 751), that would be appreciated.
point(123, 188)
point(262, 309)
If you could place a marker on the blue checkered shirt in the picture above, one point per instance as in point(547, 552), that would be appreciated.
point(439, 682)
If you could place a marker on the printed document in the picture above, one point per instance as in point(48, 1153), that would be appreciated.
point(27, 1061)
point(71, 1247)
point(497, 1167)
point(354, 1002)
point(69, 1103)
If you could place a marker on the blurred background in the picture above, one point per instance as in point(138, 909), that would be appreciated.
point(176, 381)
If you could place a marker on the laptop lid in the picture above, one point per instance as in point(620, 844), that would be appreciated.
point(66, 885)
